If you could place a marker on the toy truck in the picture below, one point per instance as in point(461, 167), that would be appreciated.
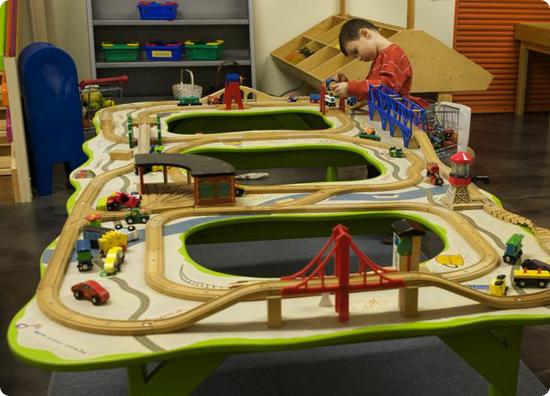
point(513, 250)
point(84, 255)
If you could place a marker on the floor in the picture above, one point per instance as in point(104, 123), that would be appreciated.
point(513, 151)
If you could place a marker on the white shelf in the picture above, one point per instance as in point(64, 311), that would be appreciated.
point(176, 22)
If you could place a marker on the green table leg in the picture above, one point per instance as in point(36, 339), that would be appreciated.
point(173, 377)
point(493, 353)
point(331, 174)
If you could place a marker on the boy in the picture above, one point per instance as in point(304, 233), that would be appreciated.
point(360, 39)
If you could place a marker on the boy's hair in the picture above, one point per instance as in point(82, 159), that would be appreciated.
point(350, 31)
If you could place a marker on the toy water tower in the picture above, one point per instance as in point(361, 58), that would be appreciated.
point(457, 196)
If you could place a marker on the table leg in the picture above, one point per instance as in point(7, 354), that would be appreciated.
point(523, 64)
point(178, 376)
point(493, 353)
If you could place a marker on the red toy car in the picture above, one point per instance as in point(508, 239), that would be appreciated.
point(90, 290)
point(120, 199)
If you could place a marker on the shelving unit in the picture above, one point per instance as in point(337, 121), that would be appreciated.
point(437, 68)
point(118, 21)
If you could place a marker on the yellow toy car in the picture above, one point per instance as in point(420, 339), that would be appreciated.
point(498, 287)
point(115, 257)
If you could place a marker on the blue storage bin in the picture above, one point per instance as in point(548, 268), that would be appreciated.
point(151, 10)
point(161, 51)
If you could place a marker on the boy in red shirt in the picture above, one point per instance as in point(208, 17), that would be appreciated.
point(361, 40)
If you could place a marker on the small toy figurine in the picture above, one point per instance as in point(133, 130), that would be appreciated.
point(513, 250)
point(432, 172)
point(369, 133)
point(92, 291)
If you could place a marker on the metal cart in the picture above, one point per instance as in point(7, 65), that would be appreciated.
point(96, 95)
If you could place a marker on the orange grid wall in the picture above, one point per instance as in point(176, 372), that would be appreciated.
point(484, 32)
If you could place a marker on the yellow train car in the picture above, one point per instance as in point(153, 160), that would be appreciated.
point(531, 277)
point(498, 287)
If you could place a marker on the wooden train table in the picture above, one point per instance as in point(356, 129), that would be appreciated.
point(166, 306)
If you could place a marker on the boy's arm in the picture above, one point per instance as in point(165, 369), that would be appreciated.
point(360, 88)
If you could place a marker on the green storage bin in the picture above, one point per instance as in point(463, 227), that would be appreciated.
point(118, 52)
point(200, 50)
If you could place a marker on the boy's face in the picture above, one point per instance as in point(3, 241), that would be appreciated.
point(364, 48)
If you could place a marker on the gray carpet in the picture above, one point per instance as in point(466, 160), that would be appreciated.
point(421, 366)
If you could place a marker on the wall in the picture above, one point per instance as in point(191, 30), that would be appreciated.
point(433, 16)
point(275, 22)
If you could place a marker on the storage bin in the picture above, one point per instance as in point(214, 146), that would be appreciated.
point(151, 10)
point(200, 50)
point(161, 51)
point(120, 52)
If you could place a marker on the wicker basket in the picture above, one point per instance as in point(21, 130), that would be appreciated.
point(181, 89)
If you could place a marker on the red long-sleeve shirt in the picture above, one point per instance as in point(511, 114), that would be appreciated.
point(390, 68)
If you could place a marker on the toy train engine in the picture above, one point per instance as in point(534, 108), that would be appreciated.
point(513, 250)
point(84, 255)
point(432, 172)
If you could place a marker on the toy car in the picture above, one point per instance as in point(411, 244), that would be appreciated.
point(292, 99)
point(130, 231)
point(189, 101)
point(533, 264)
point(119, 200)
point(84, 255)
point(135, 216)
point(315, 98)
point(115, 257)
point(395, 152)
point(90, 290)
point(498, 287)
point(330, 100)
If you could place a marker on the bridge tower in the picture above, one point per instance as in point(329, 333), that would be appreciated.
point(407, 240)
point(233, 91)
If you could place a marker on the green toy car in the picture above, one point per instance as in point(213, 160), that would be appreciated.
point(135, 216)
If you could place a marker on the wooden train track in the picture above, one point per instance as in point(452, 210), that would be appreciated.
point(215, 300)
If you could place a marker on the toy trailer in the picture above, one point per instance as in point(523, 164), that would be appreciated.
point(84, 255)
point(531, 278)
point(513, 250)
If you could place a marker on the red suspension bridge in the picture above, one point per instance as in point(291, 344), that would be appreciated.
point(313, 278)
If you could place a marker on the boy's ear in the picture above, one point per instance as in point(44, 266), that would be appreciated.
point(364, 32)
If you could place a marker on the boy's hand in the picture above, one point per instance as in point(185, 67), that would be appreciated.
point(340, 77)
point(340, 89)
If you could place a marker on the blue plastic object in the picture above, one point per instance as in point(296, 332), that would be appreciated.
point(161, 51)
point(151, 10)
point(53, 113)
